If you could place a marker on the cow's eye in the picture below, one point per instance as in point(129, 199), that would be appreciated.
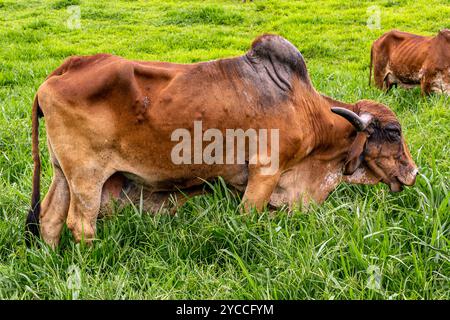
point(393, 131)
point(392, 128)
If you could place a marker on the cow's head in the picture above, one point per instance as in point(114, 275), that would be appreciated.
point(379, 147)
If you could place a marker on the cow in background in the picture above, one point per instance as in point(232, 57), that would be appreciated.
point(408, 60)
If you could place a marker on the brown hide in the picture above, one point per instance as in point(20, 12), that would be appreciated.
point(405, 59)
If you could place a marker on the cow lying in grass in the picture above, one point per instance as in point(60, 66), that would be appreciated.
point(408, 60)
point(312, 180)
point(110, 121)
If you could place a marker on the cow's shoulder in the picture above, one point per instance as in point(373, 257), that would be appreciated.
point(277, 52)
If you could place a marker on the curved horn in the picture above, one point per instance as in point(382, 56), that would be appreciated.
point(359, 123)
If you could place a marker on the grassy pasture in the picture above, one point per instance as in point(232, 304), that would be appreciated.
point(362, 243)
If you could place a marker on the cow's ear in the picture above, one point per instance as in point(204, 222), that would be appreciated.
point(355, 154)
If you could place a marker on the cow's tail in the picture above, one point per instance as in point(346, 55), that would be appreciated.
point(32, 224)
point(371, 64)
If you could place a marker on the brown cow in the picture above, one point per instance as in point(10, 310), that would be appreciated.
point(110, 122)
point(405, 59)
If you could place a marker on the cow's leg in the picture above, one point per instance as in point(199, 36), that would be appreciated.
point(112, 191)
point(380, 72)
point(390, 81)
point(54, 208)
point(85, 197)
point(259, 189)
point(387, 83)
point(425, 85)
point(167, 201)
point(183, 196)
point(55, 205)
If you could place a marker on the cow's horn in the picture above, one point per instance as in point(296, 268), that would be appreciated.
point(359, 123)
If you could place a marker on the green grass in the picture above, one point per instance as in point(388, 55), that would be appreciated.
point(362, 243)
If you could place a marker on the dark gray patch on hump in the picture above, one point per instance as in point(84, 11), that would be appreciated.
point(269, 69)
point(280, 58)
point(265, 75)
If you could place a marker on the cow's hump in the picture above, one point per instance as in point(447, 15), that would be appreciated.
point(277, 50)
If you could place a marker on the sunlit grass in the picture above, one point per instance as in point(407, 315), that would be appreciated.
point(363, 242)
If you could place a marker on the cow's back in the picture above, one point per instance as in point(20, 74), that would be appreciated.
point(86, 80)
point(261, 79)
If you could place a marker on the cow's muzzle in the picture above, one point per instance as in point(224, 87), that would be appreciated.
point(409, 178)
